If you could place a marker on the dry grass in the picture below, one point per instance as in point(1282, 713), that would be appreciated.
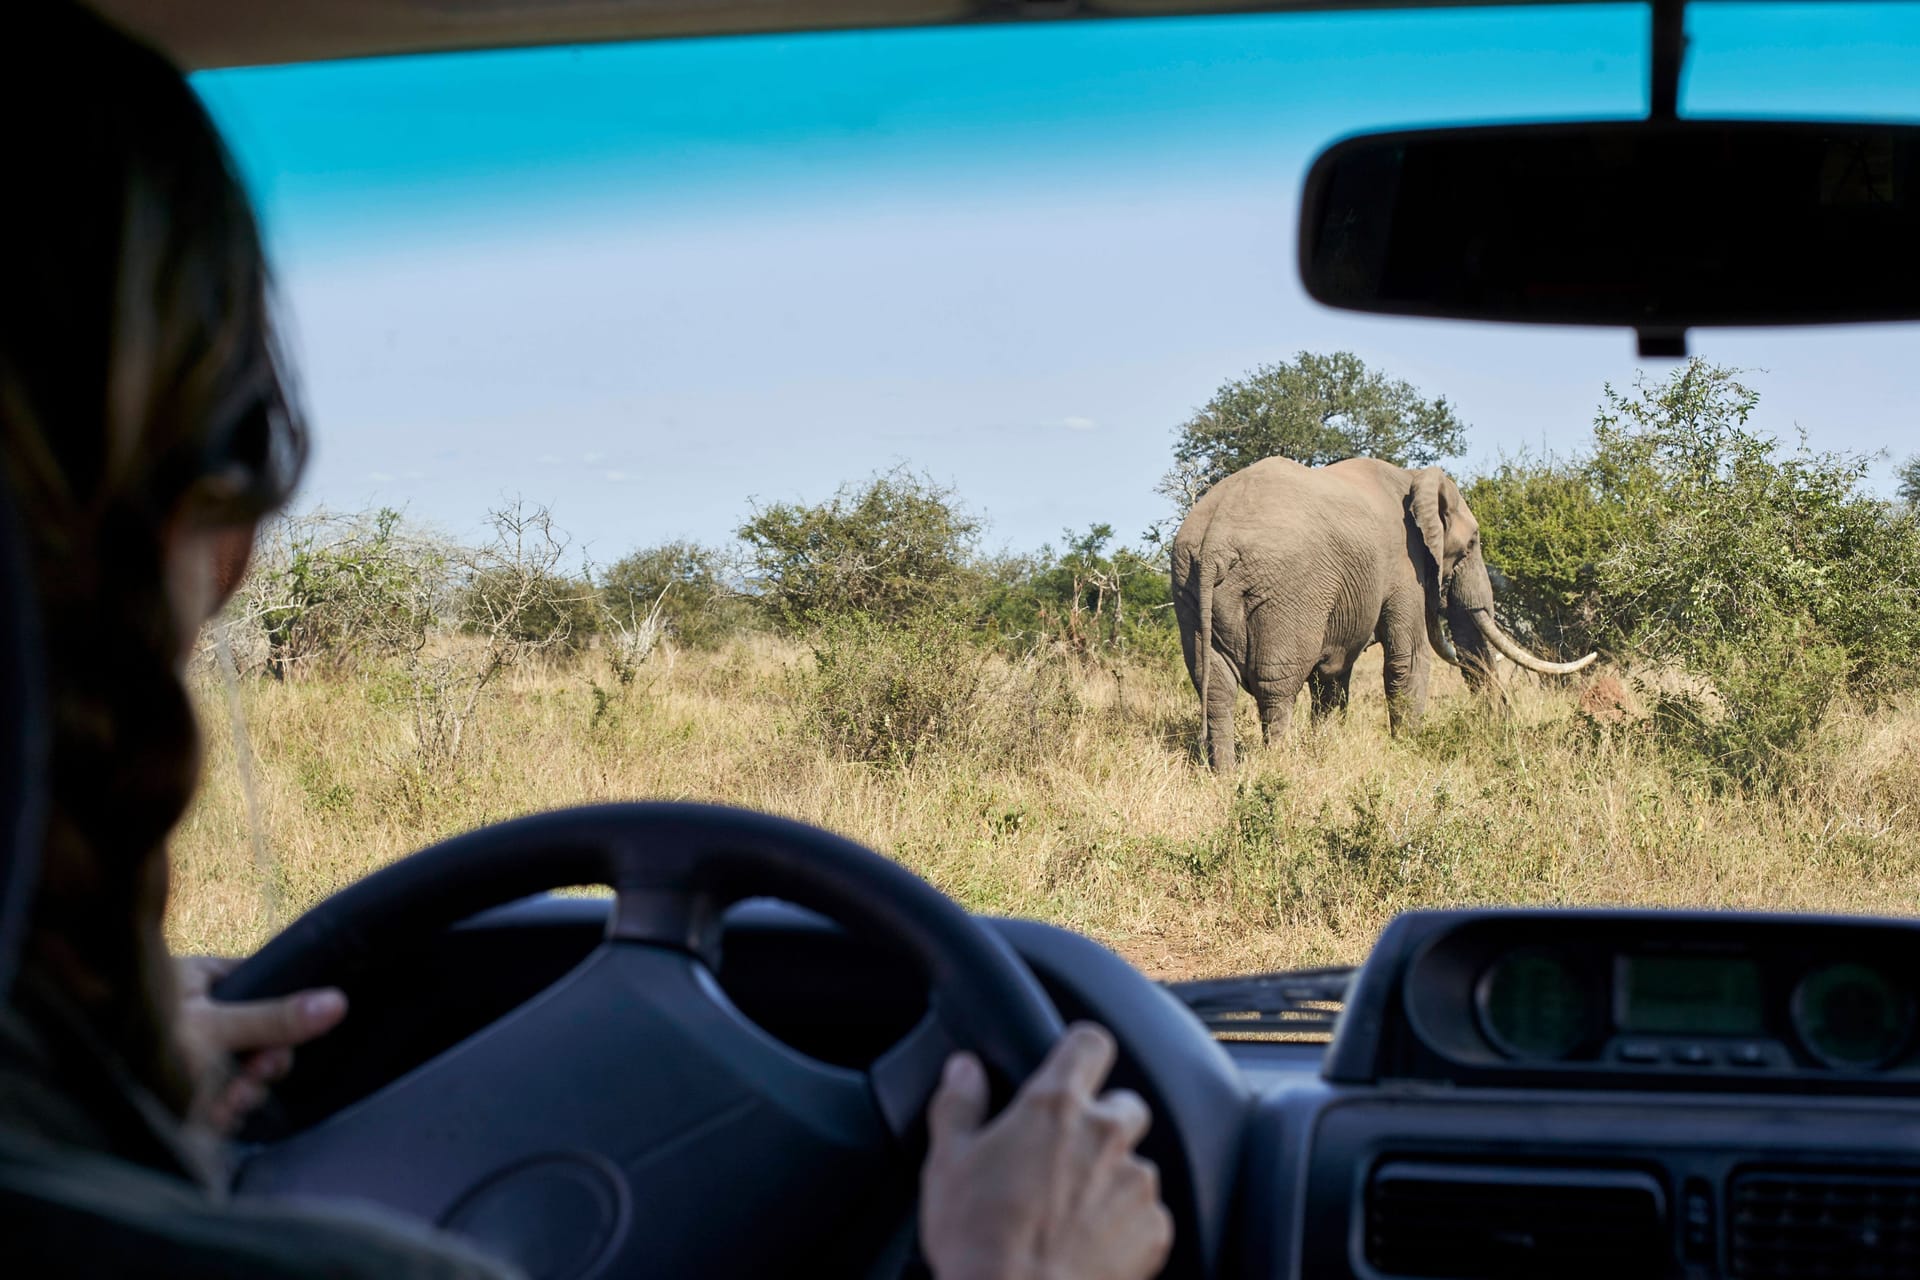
point(1113, 829)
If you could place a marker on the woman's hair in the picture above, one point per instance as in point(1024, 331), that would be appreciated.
point(141, 389)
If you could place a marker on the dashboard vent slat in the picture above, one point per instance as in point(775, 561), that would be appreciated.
point(1434, 1219)
point(1786, 1224)
point(1302, 1007)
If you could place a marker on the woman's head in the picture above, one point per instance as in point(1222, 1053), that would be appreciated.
point(147, 429)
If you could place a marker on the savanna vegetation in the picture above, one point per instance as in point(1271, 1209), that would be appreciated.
point(1019, 728)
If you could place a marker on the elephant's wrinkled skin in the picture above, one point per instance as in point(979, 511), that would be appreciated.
point(1282, 574)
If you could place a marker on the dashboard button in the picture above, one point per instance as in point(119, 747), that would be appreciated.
point(1692, 1055)
point(1639, 1051)
point(1697, 1224)
point(1747, 1054)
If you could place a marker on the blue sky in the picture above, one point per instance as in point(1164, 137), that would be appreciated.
point(647, 284)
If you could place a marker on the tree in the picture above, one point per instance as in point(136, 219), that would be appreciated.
point(893, 547)
point(688, 583)
point(1316, 409)
point(1684, 530)
point(516, 602)
point(515, 592)
point(1547, 526)
point(1089, 597)
point(1686, 536)
point(332, 589)
point(1908, 474)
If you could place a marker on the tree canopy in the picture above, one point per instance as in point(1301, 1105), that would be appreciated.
point(687, 584)
point(1686, 536)
point(898, 544)
point(1314, 409)
point(1908, 474)
point(1088, 595)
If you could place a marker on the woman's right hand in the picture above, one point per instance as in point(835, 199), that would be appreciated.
point(1051, 1189)
point(237, 1049)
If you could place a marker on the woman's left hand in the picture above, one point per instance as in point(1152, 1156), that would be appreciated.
point(238, 1048)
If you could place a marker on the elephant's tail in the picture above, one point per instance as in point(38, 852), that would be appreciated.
point(1203, 651)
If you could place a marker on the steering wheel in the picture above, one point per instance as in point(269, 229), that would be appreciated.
point(629, 1120)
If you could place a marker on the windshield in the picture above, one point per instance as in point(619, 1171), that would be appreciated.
point(808, 423)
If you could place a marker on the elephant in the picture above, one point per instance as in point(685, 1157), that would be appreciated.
point(1283, 574)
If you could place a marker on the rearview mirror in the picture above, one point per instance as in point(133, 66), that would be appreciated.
point(1660, 225)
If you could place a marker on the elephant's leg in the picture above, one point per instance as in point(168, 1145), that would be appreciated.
point(1218, 689)
point(1276, 714)
point(1280, 669)
point(1409, 659)
point(1406, 675)
point(1223, 686)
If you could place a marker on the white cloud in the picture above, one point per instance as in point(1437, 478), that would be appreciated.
point(548, 459)
point(592, 456)
point(380, 477)
point(616, 476)
point(1077, 423)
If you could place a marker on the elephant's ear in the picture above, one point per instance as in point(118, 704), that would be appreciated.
point(1426, 504)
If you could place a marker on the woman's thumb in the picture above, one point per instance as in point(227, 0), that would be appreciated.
point(959, 1105)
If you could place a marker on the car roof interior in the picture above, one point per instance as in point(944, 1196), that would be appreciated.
point(204, 34)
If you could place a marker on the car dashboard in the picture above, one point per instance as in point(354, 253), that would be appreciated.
point(1605, 1093)
point(1504, 1093)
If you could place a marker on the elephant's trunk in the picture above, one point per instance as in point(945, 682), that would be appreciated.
point(1437, 636)
point(1499, 639)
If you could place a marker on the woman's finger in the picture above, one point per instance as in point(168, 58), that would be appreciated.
point(197, 974)
point(243, 1025)
point(1078, 1065)
point(959, 1105)
point(1122, 1118)
point(239, 1097)
point(1142, 1226)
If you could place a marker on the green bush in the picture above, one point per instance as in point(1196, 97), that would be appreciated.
point(1729, 541)
point(892, 549)
point(1089, 599)
point(329, 590)
point(1770, 696)
point(529, 607)
point(1546, 529)
point(688, 582)
point(889, 692)
point(1387, 852)
point(1685, 537)
point(884, 691)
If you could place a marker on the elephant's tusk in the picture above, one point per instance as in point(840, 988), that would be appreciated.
point(1500, 641)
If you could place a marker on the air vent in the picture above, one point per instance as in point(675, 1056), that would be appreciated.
point(1792, 1223)
point(1300, 1007)
point(1438, 1220)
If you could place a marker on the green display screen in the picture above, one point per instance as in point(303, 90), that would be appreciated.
point(1691, 995)
point(1536, 1005)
